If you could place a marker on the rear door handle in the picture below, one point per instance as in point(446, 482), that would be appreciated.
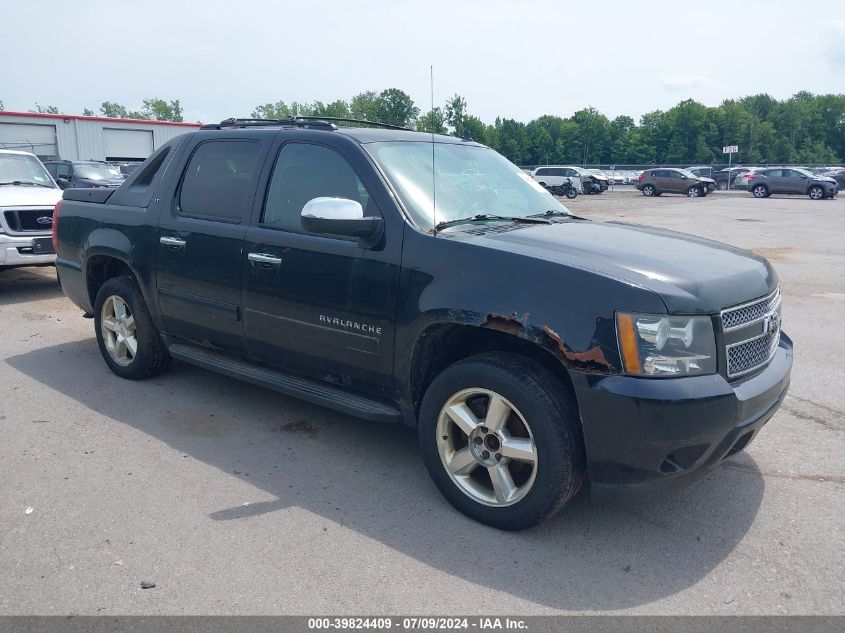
point(173, 242)
point(264, 258)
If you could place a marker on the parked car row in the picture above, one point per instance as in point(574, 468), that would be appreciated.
point(760, 181)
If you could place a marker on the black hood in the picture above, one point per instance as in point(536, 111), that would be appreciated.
point(692, 275)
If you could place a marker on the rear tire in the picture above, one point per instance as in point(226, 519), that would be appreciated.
point(649, 190)
point(128, 339)
point(501, 440)
point(571, 193)
point(760, 191)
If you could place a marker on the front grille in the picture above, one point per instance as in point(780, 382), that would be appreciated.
point(26, 220)
point(759, 322)
point(749, 355)
point(739, 316)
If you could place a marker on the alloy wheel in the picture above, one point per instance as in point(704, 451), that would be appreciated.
point(118, 328)
point(486, 447)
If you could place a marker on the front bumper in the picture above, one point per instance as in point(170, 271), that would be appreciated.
point(645, 436)
point(16, 250)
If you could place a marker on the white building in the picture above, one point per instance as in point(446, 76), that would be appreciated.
point(73, 137)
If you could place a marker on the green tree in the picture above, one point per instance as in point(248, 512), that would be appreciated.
point(161, 110)
point(40, 109)
point(87, 112)
point(511, 140)
point(456, 112)
point(433, 121)
point(475, 129)
point(116, 111)
point(365, 106)
point(339, 109)
point(396, 107)
point(2, 107)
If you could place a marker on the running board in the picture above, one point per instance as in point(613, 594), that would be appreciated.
point(302, 388)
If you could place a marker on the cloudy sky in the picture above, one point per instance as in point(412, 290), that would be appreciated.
point(515, 59)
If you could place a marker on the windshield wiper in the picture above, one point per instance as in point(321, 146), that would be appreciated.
point(550, 213)
point(24, 182)
point(487, 217)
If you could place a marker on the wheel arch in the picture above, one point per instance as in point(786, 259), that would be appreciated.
point(442, 344)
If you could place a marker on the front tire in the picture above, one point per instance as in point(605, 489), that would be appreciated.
point(694, 192)
point(501, 440)
point(128, 339)
point(816, 193)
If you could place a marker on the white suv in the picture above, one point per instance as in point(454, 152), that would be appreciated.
point(555, 175)
point(28, 195)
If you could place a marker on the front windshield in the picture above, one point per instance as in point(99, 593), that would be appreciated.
point(468, 180)
point(24, 168)
point(97, 171)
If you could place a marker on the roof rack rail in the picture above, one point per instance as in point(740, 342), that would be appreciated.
point(339, 119)
point(322, 122)
point(317, 122)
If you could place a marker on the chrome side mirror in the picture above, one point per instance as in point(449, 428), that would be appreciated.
point(339, 216)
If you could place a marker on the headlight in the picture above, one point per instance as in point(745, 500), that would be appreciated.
point(662, 345)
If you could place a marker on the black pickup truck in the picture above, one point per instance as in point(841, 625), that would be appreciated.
point(404, 277)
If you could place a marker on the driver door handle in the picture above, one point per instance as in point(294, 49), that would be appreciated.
point(264, 258)
point(173, 242)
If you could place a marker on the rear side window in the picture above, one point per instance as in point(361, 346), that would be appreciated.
point(216, 185)
point(544, 172)
point(145, 177)
point(773, 173)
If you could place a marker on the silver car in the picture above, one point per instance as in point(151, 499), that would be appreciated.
point(792, 181)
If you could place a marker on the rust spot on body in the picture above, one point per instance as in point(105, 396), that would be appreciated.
point(592, 357)
point(510, 324)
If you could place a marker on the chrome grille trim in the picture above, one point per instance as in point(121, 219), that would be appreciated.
point(752, 353)
point(746, 356)
point(745, 314)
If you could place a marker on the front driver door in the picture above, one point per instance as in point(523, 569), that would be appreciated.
point(315, 304)
point(795, 182)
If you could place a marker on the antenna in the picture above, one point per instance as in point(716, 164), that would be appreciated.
point(433, 175)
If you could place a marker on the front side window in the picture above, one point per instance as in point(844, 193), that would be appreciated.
point(460, 181)
point(63, 171)
point(217, 180)
point(304, 172)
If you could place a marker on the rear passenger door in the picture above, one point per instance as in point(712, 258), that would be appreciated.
point(661, 180)
point(321, 305)
point(200, 243)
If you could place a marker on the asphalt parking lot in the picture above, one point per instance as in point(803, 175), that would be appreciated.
point(237, 500)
